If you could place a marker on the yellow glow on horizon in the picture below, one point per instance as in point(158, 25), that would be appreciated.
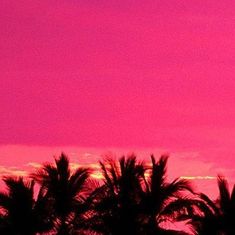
point(95, 174)
point(199, 177)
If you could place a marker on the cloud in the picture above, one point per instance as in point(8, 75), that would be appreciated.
point(34, 164)
point(206, 177)
point(12, 171)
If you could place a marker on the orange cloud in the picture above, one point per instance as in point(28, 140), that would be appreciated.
point(5, 171)
point(199, 177)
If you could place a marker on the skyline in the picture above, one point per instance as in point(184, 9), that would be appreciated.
point(186, 165)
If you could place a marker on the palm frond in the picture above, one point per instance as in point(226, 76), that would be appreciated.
point(224, 197)
point(175, 187)
point(77, 181)
point(62, 166)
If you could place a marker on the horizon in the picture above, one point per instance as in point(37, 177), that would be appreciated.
point(203, 178)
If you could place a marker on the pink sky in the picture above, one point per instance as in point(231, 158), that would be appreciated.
point(140, 76)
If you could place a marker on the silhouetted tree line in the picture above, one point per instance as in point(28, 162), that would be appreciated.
point(133, 199)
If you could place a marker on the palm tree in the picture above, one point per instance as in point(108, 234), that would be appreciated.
point(117, 200)
point(216, 217)
point(67, 191)
point(162, 200)
point(21, 214)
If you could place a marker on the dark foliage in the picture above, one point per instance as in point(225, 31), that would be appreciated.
point(66, 191)
point(21, 214)
point(133, 198)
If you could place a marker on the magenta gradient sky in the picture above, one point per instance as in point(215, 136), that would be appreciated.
point(143, 76)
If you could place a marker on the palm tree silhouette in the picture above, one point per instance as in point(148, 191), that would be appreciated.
point(215, 217)
point(133, 198)
point(135, 201)
point(67, 191)
point(117, 200)
point(162, 201)
point(21, 214)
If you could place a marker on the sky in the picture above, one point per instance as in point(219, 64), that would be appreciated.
point(94, 77)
